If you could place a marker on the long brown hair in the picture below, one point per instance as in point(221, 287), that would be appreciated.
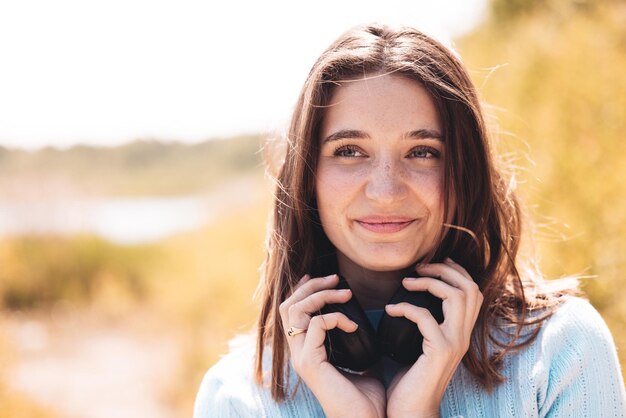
point(487, 226)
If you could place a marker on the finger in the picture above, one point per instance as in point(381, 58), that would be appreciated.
point(303, 280)
point(313, 303)
point(295, 342)
point(454, 301)
point(450, 262)
point(462, 310)
point(435, 286)
point(313, 285)
point(455, 275)
point(475, 299)
point(305, 287)
point(298, 285)
point(319, 324)
point(448, 274)
point(299, 314)
point(286, 303)
point(426, 323)
point(296, 339)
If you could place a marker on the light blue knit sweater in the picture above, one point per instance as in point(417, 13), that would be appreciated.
point(571, 370)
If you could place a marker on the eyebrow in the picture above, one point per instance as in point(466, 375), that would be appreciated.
point(345, 134)
point(425, 134)
point(356, 134)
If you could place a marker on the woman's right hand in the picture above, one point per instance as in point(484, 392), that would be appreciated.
point(340, 394)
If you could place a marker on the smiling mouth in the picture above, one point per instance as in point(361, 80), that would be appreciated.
point(385, 227)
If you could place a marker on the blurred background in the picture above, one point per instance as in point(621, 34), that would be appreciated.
point(133, 201)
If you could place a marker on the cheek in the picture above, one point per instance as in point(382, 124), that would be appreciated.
point(329, 212)
point(334, 184)
point(430, 189)
point(326, 194)
point(340, 176)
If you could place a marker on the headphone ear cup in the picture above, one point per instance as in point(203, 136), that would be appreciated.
point(399, 338)
point(358, 350)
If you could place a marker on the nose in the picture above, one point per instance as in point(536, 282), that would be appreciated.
point(386, 183)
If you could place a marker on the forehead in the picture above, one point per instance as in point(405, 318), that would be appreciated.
point(380, 102)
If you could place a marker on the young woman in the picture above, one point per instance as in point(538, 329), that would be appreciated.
point(389, 183)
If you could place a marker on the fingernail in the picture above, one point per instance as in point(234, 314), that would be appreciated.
point(332, 276)
point(345, 290)
point(410, 279)
point(355, 324)
point(391, 305)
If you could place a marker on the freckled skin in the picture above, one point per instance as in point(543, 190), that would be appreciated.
point(384, 173)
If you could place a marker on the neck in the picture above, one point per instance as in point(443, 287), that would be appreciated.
point(373, 289)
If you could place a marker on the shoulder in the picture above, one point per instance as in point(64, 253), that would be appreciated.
point(570, 369)
point(575, 332)
point(573, 326)
point(576, 318)
point(229, 389)
point(576, 361)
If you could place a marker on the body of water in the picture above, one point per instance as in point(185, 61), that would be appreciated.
point(128, 220)
point(121, 220)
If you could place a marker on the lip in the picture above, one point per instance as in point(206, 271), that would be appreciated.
point(385, 224)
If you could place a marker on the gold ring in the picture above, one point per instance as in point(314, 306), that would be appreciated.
point(295, 331)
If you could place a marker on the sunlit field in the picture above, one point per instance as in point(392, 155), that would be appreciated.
point(126, 325)
point(554, 77)
point(174, 304)
point(95, 324)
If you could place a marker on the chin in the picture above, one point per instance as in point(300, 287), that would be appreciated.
point(383, 260)
point(388, 266)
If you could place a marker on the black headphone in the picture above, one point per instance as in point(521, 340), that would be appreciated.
point(396, 337)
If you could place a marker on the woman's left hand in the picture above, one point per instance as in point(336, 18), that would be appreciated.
point(418, 390)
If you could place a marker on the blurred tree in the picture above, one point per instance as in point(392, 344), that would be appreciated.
point(555, 69)
point(38, 272)
point(504, 11)
point(143, 167)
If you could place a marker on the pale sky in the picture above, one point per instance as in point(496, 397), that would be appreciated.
point(111, 71)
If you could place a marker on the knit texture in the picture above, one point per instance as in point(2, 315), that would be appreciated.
point(570, 370)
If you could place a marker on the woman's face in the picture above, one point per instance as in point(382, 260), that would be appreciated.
point(380, 175)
